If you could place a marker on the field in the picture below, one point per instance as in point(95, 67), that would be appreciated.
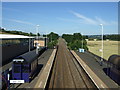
point(109, 48)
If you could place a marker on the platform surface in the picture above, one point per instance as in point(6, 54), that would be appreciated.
point(94, 65)
point(42, 79)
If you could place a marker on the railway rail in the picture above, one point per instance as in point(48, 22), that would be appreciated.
point(66, 72)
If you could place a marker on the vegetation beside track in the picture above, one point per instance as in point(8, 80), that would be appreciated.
point(52, 39)
point(75, 41)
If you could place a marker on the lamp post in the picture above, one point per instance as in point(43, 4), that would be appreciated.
point(37, 30)
point(29, 42)
point(37, 37)
point(82, 40)
point(102, 45)
point(46, 39)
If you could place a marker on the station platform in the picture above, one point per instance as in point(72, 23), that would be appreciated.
point(42, 79)
point(93, 63)
point(7, 66)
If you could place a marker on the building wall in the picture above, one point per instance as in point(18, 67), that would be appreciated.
point(11, 51)
point(41, 43)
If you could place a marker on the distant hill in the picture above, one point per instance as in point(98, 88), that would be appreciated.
point(115, 37)
point(3, 31)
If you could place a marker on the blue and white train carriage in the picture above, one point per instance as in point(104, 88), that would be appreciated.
point(25, 66)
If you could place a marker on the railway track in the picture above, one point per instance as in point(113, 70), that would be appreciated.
point(66, 72)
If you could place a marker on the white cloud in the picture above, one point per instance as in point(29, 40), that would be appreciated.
point(114, 23)
point(99, 20)
point(86, 19)
point(22, 22)
point(96, 21)
point(67, 20)
point(10, 9)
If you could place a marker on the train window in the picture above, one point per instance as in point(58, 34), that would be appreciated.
point(10, 42)
point(14, 41)
point(25, 68)
point(31, 66)
point(17, 68)
point(118, 67)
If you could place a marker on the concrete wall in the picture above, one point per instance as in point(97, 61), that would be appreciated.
point(41, 42)
point(11, 51)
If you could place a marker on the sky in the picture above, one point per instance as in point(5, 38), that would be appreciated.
point(60, 0)
point(61, 17)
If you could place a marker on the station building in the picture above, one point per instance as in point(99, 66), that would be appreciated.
point(14, 45)
point(40, 41)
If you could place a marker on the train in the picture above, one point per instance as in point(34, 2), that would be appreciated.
point(25, 65)
point(114, 68)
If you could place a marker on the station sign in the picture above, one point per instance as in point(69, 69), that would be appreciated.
point(18, 60)
point(17, 81)
point(81, 50)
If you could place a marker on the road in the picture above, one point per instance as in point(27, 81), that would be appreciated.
point(66, 72)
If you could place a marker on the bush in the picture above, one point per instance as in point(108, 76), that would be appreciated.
point(74, 41)
point(53, 37)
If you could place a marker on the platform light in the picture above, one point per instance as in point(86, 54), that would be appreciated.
point(37, 27)
point(101, 45)
point(82, 40)
point(46, 39)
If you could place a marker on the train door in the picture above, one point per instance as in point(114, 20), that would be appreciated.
point(25, 72)
point(17, 72)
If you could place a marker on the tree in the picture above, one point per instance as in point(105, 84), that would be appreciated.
point(52, 37)
point(38, 34)
point(74, 41)
point(77, 36)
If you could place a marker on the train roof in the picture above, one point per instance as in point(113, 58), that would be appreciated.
point(9, 36)
point(28, 57)
point(114, 59)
